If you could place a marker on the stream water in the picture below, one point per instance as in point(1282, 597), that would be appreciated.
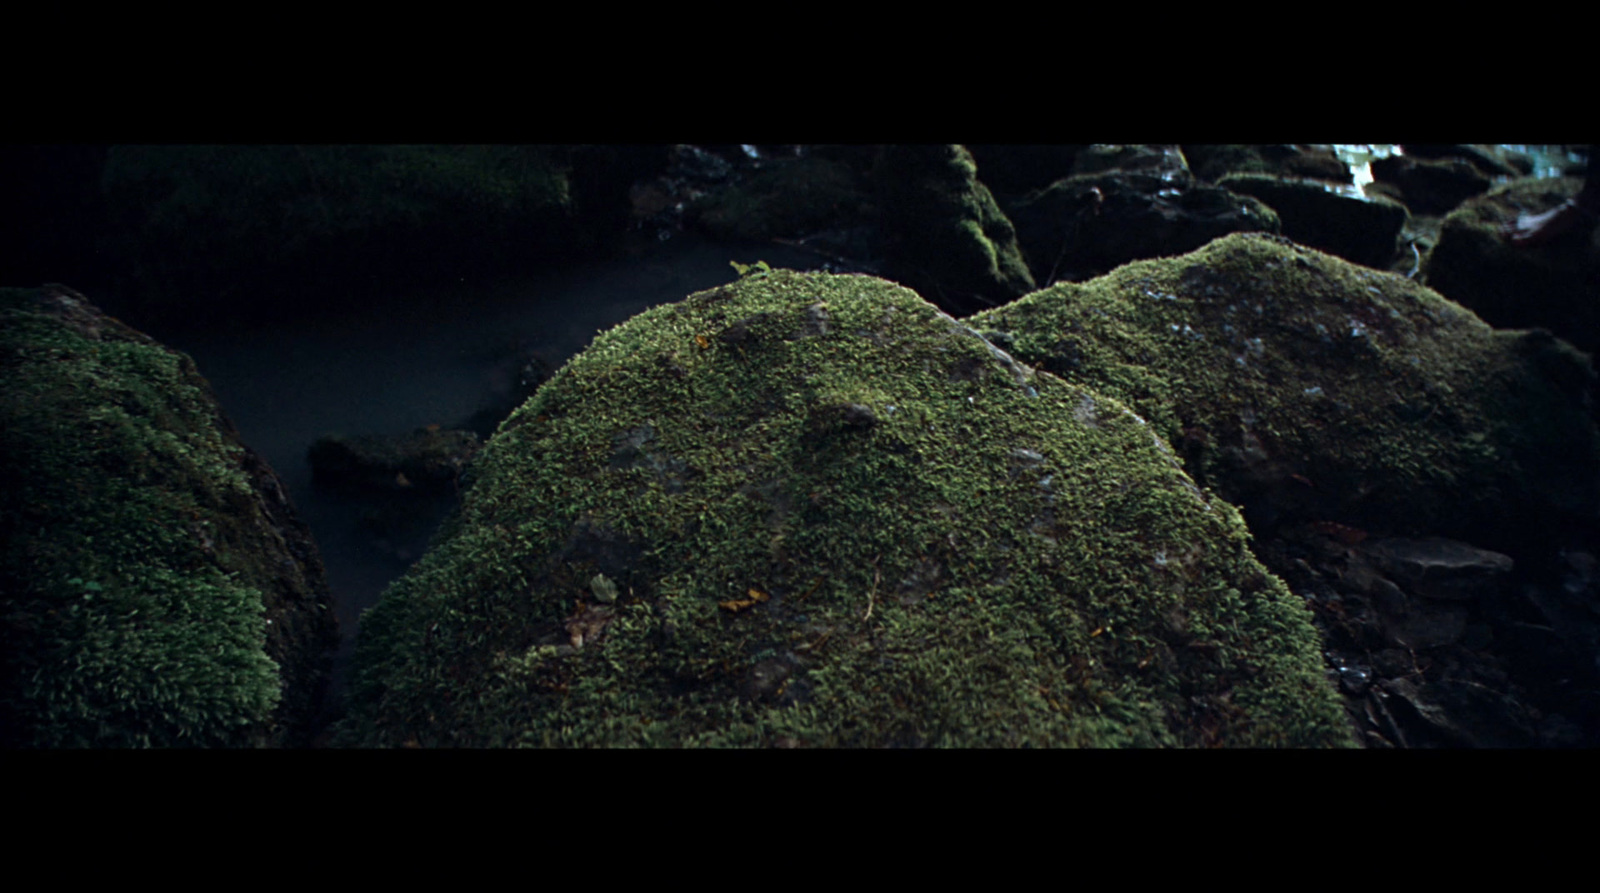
point(437, 358)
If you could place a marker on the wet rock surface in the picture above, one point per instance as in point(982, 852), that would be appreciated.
point(156, 586)
point(1471, 671)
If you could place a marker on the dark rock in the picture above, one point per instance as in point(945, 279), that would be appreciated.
point(1337, 220)
point(1084, 226)
point(1213, 162)
point(1430, 187)
point(695, 163)
point(1165, 163)
point(1552, 286)
point(427, 459)
point(1011, 170)
point(1438, 568)
point(1422, 625)
point(1461, 713)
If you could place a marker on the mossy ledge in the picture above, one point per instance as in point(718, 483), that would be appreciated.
point(812, 510)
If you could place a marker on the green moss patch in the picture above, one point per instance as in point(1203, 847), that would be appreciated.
point(812, 510)
point(1309, 388)
point(150, 596)
point(947, 236)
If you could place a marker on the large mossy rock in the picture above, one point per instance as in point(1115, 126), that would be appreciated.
point(1360, 228)
point(1309, 388)
point(155, 585)
point(203, 224)
point(1556, 286)
point(945, 235)
point(813, 510)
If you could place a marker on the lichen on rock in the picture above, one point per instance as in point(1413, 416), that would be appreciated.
point(858, 523)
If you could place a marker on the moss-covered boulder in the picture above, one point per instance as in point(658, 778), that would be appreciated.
point(1556, 286)
point(944, 234)
point(1308, 388)
point(204, 225)
point(1086, 225)
point(155, 585)
point(1339, 220)
point(813, 510)
point(791, 198)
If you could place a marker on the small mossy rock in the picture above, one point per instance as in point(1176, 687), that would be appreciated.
point(1213, 162)
point(946, 237)
point(791, 198)
point(1556, 286)
point(1339, 220)
point(1087, 225)
point(156, 586)
point(1431, 187)
point(857, 524)
point(1308, 388)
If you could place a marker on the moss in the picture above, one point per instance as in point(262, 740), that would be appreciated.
point(833, 517)
point(948, 237)
point(139, 596)
point(1306, 387)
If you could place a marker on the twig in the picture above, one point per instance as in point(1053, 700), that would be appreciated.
point(873, 594)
